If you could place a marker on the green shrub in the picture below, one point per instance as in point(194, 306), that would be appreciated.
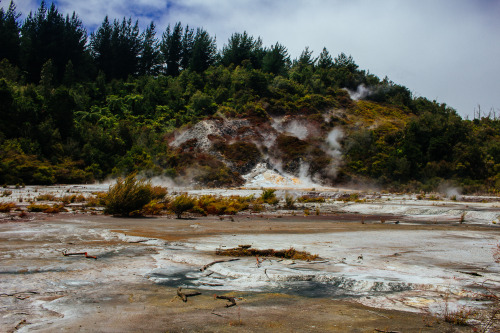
point(289, 201)
point(181, 204)
point(268, 196)
point(128, 196)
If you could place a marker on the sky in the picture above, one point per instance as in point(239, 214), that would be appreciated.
point(444, 50)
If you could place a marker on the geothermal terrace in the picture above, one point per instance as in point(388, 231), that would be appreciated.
point(388, 263)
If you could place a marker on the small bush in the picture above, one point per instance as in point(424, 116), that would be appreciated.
point(128, 196)
point(182, 203)
point(54, 209)
point(7, 207)
point(46, 197)
point(289, 201)
point(198, 210)
point(153, 208)
point(67, 199)
point(36, 208)
point(159, 192)
point(97, 200)
point(310, 199)
point(6, 193)
point(268, 196)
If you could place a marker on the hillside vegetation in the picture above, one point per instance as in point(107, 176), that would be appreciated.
point(77, 108)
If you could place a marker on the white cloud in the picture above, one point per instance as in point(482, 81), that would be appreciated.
point(446, 50)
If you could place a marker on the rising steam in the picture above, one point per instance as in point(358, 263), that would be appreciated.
point(333, 141)
point(361, 92)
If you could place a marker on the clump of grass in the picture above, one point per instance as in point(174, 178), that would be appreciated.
point(54, 209)
point(289, 201)
point(67, 199)
point(268, 196)
point(128, 196)
point(290, 253)
point(97, 199)
point(46, 197)
point(310, 199)
point(349, 197)
point(6, 193)
point(462, 217)
point(219, 205)
point(7, 207)
point(434, 197)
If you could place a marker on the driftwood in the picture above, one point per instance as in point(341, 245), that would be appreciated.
point(227, 298)
point(184, 296)
point(78, 254)
point(216, 262)
point(384, 331)
point(20, 295)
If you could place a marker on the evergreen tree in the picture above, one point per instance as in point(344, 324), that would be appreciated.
point(306, 59)
point(242, 47)
point(149, 63)
point(345, 62)
point(187, 47)
point(9, 34)
point(126, 42)
point(171, 47)
point(325, 60)
point(117, 48)
point(276, 60)
point(204, 51)
point(101, 48)
point(48, 35)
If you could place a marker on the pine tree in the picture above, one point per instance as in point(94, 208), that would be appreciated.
point(204, 51)
point(149, 63)
point(276, 60)
point(9, 34)
point(171, 47)
point(187, 47)
point(242, 47)
point(325, 59)
point(48, 35)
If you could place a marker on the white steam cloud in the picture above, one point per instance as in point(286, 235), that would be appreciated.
point(361, 92)
point(334, 150)
point(297, 129)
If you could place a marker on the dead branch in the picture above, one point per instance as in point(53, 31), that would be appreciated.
point(18, 326)
point(78, 254)
point(216, 262)
point(19, 295)
point(184, 296)
point(384, 331)
point(227, 298)
point(141, 241)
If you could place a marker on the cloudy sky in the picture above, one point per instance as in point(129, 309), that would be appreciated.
point(447, 50)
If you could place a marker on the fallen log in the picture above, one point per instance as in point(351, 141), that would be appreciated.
point(227, 298)
point(184, 296)
point(216, 262)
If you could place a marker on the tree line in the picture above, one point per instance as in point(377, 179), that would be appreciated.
point(49, 42)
